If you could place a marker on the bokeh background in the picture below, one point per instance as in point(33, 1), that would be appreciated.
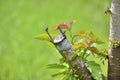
point(25, 58)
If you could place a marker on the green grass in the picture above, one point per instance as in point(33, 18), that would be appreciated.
point(24, 58)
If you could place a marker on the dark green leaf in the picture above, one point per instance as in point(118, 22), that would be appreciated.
point(59, 74)
point(70, 77)
point(56, 66)
point(93, 50)
point(62, 60)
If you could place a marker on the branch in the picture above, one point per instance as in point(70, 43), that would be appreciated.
point(65, 48)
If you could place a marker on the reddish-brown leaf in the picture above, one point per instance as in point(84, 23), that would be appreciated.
point(90, 43)
point(64, 25)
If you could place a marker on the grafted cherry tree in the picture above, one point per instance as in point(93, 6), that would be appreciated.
point(75, 48)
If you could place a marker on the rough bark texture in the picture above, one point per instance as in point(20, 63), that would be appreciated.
point(114, 52)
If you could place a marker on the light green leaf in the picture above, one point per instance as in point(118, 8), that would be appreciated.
point(95, 70)
point(45, 37)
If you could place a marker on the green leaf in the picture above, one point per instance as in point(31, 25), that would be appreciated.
point(83, 33)
point(56, 66)
point(62, 60)
point(95, 38)
point(95, 70)
point(59, 74)
point(70, 77)
point(93, 50)
point(45, 37)
point(78, 46)
point(89, 36)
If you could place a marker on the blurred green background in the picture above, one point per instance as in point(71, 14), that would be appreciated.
point(24, 58)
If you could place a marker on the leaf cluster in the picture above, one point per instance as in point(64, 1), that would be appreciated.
point(84, 44)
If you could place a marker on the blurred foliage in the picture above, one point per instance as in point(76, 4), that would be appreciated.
point(24, 58)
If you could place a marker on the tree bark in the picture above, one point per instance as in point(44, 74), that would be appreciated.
point(114, 52)
point(79, 67)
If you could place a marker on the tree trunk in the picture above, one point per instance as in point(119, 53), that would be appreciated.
point(114, 52)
